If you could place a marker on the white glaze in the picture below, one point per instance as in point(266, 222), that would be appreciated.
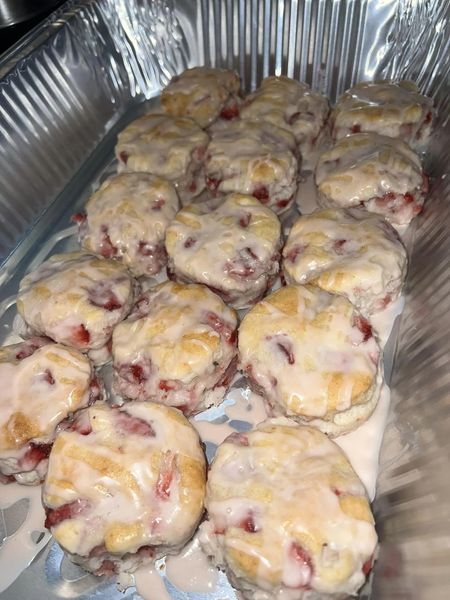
point(191, 571)
point(348, 252)
point(291, 105)
point(19, 550)
point(134, 210)
point(245, 155)
point(150, 585)
point(234, 248)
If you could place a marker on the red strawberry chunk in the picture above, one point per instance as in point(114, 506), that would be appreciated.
point(237, 438)
point(261, 193)
point(212, 183)
point(409, 198)
point(166, 386)
point(80, 335)
point(228, 374)
point(48, 377)
point(128, 424)
point(303, 559)
point(367, 566)
point(165, 476)
point(102, 296)
point(295, 252)
point(189, 242)
point(106, 249)
point(124, 156)
point(79, 218)
point(158, 204)
point(219, 326)
point(230, 112)
point(34, 455)
point(146, 552)
point(30, 346)
point(283, 203)
point(244, 221)
point(364, 326)
point(248, 524)
point(356, 129)
point(107, 567)
point(66, 511)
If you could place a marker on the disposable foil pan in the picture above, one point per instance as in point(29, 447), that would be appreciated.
point(66, 90)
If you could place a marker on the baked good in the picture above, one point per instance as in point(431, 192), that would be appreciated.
point(234, 250)
point(379, 173)
point(313, 358)
point(43, 383)
point(127, 218)
point(203, 94)
point(178, 347)
point(126, 487)
point(293, 106)
point(287, 515)
point(173, 148)
point(253, 157)
point(77, 299)
point(349, 252)
point(392, 108)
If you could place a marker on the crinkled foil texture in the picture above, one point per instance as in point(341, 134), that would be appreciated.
point(73, 78)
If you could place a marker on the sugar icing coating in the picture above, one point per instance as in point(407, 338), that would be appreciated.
point(253, 157)
point(76, 299)
point(178, 347)
point(380, 173)
point(42, 384)
point(287, 515)
point(173, 148)
point(291, 105)
point(126, 487)
point(348, 252)
point(394, 109)
point(233, 249)
point(313, 357)
point(127, 218)
point(203, 94)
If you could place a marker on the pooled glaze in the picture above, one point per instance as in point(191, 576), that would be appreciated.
point(173, 148)
point(253, 157)
point(270, 546)
point(293, 106)
point(76, 299)
point(125, 487)
point(394, 109)
point(233, 249)
point(203, 94)
point(177, 348)
point(314, 358)
point(381, 173)
point(127, 219)
point(348, 252)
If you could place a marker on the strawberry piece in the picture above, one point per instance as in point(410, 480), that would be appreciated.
point(48, 377)
point(128, 424)
point(146, 552)
point(230, 112)
point(78, 218)
point(189, 242)
point(338, 246)
point(219, 326)
point(261, 193)
point(102, 296)
point(244, 221)
point(80, 335)
point(229, 373)
point(212, 183)
point(158, 204)
point(124, 156)
point(106, 248)
point(356, 129)
point(237, 438)
point(367, 566)
point(165, 476)
point(248, 524)
point(364, 326)
point(286, 349)
point(34, 455)
point(66, 511)
point(283, 203)
point(303, 559)
point(107, 567)
point(409, 198)
point(295, 252)
point(30, 346)
point(166, 386)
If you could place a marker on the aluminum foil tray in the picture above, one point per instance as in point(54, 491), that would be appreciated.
point(74, 82)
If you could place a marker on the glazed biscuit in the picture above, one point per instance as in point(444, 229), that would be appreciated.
point(379, 173)
point(287, 515)
point(313, 358)
point(127, 219)
point(203, 94)
point(394, 109)
point(173, 148)
point(293, 106)
point(43, 383)
point(234, 250)
point(253, 157)
point(351, 252)
point(77, 299)
point(125, 486)
point(178, 347)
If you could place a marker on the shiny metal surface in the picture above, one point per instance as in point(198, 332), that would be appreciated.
point(66, 92)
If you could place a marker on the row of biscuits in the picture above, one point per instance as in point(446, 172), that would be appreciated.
point(177, 344)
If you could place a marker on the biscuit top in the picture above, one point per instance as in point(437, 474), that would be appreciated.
point(365, 165)
point(349, 252)
point(161, 145)
point(136, 208)
point(181, 329)
point(76, 298)
point(382, 107)
point(289, 104)
point(250, 151)
point(132, 477)
point(291, 510)
point(315, 347)
point(200, 93)
point(217, 246)
point(39, 391)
